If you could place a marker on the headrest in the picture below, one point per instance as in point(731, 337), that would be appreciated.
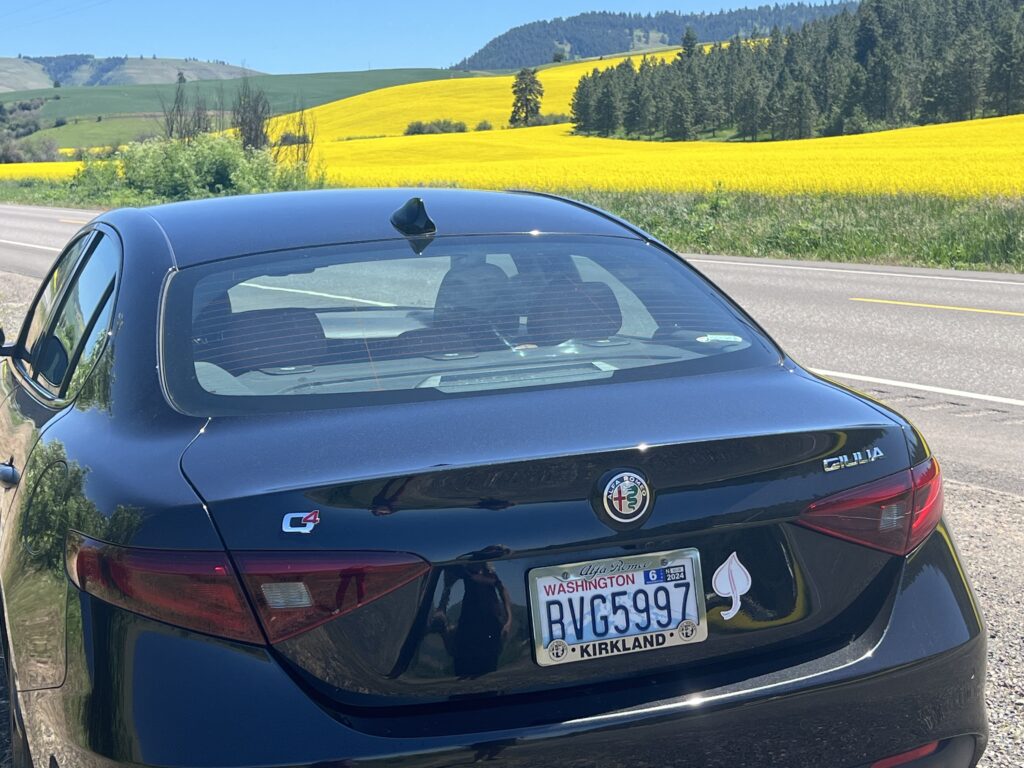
point(469, 295)
point(568, 309)
point(260, 338)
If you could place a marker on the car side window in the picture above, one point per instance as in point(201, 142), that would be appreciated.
point(39, 317)
point(82, 321)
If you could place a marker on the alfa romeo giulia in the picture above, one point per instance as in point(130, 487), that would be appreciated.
point(429, 477)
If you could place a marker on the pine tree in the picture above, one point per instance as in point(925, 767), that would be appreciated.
point(1006, 73)
point(691, 44)
point(582, 105)
point(679, 125)
point(526, 97)
point(969, 73)
point(609, 107)
point(641, 108)
point(749, 108)
point(802, 113)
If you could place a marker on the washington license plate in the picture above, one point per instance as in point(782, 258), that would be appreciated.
point(601, 608)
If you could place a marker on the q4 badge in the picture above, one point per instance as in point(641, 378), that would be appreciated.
point(300, 522)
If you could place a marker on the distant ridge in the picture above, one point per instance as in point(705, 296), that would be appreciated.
point(28, 72)
point(604, 33)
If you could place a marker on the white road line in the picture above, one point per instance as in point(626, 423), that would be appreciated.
point(1019, 284)
point(29, 245)
point(315, 293)
point(920, 387)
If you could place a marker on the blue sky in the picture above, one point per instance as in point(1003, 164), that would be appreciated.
point(290, 35)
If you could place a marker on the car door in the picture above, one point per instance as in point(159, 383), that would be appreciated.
point(60, 344)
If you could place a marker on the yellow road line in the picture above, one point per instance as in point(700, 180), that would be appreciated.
point(73, 221)
point(943, 306)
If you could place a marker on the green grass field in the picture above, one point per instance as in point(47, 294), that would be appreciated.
point(118, 129)
point(285, 92)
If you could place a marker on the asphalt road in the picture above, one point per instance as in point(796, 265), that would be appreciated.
point(31, 237)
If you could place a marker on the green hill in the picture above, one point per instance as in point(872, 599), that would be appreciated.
point(130, 111)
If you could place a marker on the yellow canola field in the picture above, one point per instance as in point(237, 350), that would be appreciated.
point(51, 171)
point(975, 158)
point(388, 111)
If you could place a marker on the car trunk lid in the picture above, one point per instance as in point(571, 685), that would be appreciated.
point(482, 491)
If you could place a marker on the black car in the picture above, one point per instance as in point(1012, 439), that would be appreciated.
point(431, 477)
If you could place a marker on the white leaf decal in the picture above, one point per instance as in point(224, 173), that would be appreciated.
point(731, 580)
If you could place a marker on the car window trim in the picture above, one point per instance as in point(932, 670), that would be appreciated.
point(24, 359)
point(27, 374)
point(62, 300)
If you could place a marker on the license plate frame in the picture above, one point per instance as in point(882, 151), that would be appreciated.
point(686, 616)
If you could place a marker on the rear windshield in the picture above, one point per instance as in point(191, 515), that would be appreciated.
point(371, 323)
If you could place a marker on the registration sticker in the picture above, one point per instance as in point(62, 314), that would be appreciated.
point(600, 608)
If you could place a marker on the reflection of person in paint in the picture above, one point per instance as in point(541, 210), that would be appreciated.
point(485, 617)
point(386, 502)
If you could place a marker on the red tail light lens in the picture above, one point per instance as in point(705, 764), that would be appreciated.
point(297, 591)
point(293, 591)
point(195, 590)
point(893, 514)
point(907, 757)
point(927, 501)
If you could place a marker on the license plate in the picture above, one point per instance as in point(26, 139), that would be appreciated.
point(601, 608)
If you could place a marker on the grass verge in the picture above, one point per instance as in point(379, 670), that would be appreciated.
point(917, 230)
point(957, 233)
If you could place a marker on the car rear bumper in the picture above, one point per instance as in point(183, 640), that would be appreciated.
point(167, 697)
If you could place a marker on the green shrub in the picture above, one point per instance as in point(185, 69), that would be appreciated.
point(484, 125)
point(444, 125)
point(555, 118)
point(208, 166)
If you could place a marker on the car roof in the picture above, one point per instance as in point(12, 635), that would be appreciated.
point(206, 230)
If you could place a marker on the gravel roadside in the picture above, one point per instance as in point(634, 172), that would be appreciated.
point(16, 293)
point(988, 531)
point(986, 525)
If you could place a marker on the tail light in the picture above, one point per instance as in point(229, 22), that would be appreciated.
point(293, 592)
point(297, 591)
point(893, 514)
point(195, 590)
point(907, 757)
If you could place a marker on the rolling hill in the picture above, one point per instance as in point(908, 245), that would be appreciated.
point(603, 34)
point(387, 112)
point(22, 75)
point(32, 72)
point(130, 111)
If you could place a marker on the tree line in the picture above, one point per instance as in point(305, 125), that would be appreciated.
point(891, 63)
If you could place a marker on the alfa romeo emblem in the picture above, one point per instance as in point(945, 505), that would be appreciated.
point(626, 498)
point(558, 649)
